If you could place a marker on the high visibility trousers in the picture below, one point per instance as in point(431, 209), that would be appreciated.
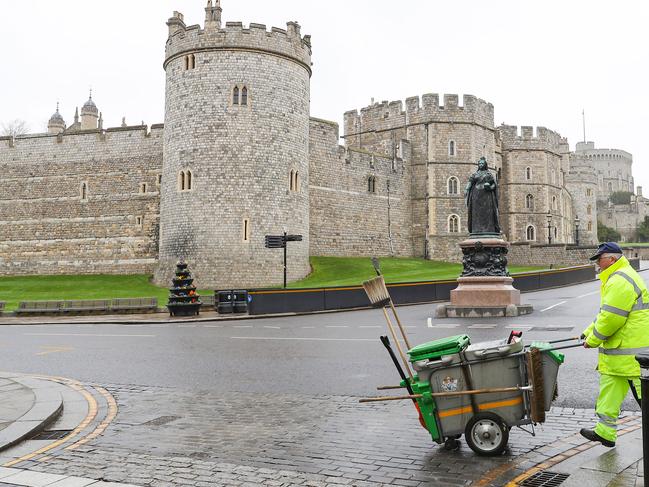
point(612, 391)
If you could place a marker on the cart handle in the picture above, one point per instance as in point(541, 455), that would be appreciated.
point(448, 394)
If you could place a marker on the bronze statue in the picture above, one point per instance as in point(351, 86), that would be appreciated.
point(482, 201)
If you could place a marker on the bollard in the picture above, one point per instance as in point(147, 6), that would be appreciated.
point(643, 359)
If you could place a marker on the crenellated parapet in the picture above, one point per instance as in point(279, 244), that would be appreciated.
point(287, 43)
point(528, 138)
point(425, 109)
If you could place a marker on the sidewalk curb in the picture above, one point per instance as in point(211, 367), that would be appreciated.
point(47, 407)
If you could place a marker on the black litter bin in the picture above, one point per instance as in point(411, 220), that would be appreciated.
point(240, 299)
point(224, 302)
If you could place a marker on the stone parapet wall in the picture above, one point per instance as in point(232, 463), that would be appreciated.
point(525, 254)
point(234, 36)
point(391, 115)
point(46, 225)
point(347, 219)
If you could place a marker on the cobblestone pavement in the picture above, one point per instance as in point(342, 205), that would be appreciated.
point(163, 437)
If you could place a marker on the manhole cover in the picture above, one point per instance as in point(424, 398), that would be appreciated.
point(545, 479)
point(52, 435)
point(161, 421)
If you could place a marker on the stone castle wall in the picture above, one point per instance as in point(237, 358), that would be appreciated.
point(347, 219)
point(46, 226)
point(526, 254)
point(625, 218)
point(534, 165)
point(582, 185)
point(613, 168)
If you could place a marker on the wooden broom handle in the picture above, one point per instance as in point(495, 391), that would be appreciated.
point(389, 398)
point(396, 342)
point(403, 331)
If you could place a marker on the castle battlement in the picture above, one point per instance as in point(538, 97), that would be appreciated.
point(581, 175)
point(425, 109)
point(526, 139)
point(113, 134)
point(287, 42)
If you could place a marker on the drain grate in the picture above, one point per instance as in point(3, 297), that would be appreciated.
point(545, 479)
point(162, 420)
point(52, 435)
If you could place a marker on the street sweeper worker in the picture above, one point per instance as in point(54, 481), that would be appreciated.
point(620, 331)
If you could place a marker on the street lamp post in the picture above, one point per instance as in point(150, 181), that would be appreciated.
point(643, 359)
point(576, 230)
point(549, 217)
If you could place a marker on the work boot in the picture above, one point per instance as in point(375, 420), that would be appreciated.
point(592, 436)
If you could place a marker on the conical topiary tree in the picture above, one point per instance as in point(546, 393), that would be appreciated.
point(183, 299)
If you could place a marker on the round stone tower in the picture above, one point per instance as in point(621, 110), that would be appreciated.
point(235, 164)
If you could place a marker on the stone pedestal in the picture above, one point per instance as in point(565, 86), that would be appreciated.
point(484, 288)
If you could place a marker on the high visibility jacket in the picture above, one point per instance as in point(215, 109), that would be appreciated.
point(621, 328)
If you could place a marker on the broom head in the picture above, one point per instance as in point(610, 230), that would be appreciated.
point(377, 292)
point(535, 374)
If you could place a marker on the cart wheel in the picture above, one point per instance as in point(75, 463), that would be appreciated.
point(452, 444)
point(487, 434)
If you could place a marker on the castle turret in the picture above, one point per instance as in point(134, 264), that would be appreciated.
point(89, 115)
point(236, 138)
point(56, 125)
point(213, 15)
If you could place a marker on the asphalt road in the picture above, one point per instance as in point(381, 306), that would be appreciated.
point(333, 354)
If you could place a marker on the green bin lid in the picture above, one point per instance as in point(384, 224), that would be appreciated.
point(438, 348)
point(556, 356)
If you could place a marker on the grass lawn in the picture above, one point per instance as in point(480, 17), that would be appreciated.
point(345, 271)
point(327, 271)
point(53, 288)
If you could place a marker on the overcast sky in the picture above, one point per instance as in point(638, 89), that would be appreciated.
point(540, 63)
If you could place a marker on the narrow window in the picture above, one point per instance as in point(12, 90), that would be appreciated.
point(138, 220)
point(159, 179)
point(528, 173)
point(590, 226)
point(84, 191)
point(453, 185)
point(291, 181)
point(181, 181)
point(186, 63)
point(244, 95)
point(529, 202)
point(296, 184)
point(531, 233)
point(192, 61)
point(451, 148)
point(555, 233)
point(235, 95)
point(588, 192)
point(246, 230)
point(371, 184)
point(189, 180)
point(554, 202)
point(453, 224)
point(142, 187)
point(589, 209)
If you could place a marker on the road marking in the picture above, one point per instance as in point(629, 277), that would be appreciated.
point(479, 326)
point(337, 326)
point(522, 327)
point(242, 326)
point(370, 326)
point(212, 326)
point(441, 325)
point(273, 327)
point(587, 294)
point(308, 327)
point(430, 322)
point(48, 350)
point(83, 335)
point(554, 306)
point(308, 339)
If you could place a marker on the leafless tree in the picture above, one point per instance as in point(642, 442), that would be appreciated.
point(14, 128)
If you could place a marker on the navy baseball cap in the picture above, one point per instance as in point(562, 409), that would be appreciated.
point(607, 248)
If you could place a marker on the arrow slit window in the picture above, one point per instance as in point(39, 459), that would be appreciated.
point(246, 230)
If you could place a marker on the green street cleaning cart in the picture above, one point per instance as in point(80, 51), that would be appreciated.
point(481, 390)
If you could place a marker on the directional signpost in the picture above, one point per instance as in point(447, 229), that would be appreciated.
point(279, 242)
